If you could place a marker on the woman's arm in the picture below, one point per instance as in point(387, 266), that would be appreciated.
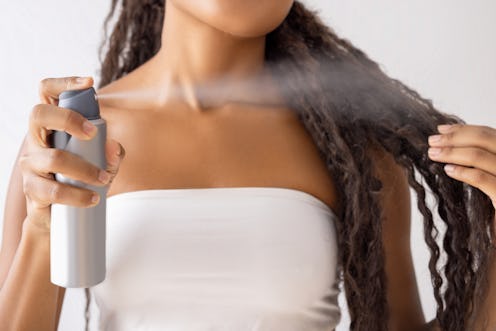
point(489, 307)
point(28, 300)
point(403, 297)
point(470, 150)
point(473, 149)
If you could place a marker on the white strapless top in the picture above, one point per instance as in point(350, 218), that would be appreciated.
point(219, 259)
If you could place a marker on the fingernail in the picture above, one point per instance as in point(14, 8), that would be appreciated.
point(434, 139)
point(88, 127)
point(434, 151)
point(81, 80)
point(449, 168)
point(95, 198)
point(443, 128)
point(103, 176)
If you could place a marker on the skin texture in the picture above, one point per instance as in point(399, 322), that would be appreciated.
point(273, 137)
point(238, 18)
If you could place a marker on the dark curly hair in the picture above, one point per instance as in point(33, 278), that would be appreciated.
point(340, 124)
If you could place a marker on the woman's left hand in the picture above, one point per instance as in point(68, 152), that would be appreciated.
point(469, 152)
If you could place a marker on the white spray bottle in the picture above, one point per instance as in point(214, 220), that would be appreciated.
point(77, 235)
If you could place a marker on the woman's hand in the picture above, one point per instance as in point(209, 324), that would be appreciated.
point(40, 161)
point(470, 154)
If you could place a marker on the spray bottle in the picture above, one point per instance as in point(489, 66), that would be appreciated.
point(77, 234)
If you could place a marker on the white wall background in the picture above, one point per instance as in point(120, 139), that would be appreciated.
point(445, 49)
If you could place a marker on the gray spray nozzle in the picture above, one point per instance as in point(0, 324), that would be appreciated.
point(82, 101)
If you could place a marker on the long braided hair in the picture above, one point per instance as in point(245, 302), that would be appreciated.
point(350, 107)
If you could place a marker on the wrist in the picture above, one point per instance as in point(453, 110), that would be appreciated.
point(33, 229)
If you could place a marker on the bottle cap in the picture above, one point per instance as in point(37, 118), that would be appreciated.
point(82, 101)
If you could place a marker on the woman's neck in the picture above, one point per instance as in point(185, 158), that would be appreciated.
point(194, 53)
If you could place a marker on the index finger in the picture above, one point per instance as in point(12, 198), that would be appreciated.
point(50, 88)
point(467, 135)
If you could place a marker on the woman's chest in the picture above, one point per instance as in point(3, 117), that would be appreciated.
point(178, 150)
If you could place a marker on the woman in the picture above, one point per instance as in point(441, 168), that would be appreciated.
point(273, 185)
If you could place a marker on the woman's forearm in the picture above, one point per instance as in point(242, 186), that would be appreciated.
point(488, 309)
point(28, 300)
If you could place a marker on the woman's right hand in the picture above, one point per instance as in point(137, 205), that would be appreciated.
point(40, 161)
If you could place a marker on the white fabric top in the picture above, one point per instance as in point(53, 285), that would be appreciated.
point(219, 259)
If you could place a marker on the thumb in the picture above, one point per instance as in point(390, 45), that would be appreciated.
point(115, 154)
